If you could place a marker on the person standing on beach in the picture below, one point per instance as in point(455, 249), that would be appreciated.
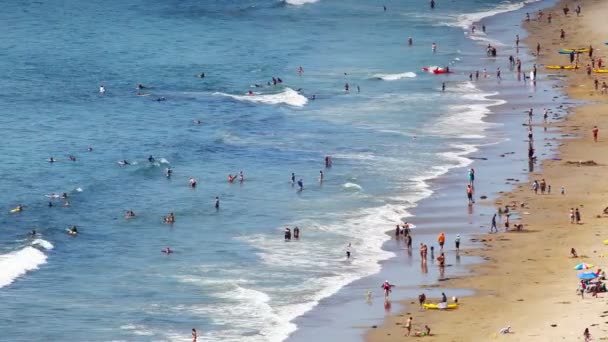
point(194, 335)
point(457, 240)
point(421, 299)
point(471, 176)
point(537, 49)
point(595, 132)
point(408, 326)
point(498, 73)
point(517, 41)
point(409, 241)
point(546, 115)
point(562, 34)
point(577, 216)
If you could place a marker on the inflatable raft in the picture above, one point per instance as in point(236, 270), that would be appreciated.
point(440, 306)
point(564, 67)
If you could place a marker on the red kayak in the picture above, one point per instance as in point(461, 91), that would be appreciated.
point(438, 70)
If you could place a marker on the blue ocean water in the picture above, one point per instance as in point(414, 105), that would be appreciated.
point(232, 276)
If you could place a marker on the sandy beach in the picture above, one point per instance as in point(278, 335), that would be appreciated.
point(528, 281)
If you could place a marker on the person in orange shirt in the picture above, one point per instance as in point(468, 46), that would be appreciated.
point(441, 240)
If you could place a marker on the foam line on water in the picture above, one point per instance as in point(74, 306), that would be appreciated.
point(394, 77)
point(288, 97)
point(300, 2)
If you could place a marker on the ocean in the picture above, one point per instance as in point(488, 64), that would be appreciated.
point(232, 276)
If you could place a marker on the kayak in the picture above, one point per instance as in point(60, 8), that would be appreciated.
point(600, 71)
point(438, 71)
point(437, 306)
point(575, 50)
point(567, 67)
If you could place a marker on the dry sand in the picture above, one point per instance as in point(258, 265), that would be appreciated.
point(529, 282)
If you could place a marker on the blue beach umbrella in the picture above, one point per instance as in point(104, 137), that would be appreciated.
point(587, 275)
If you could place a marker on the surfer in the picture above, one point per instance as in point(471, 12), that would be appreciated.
point(151, 159)
point(51, 160)
point(296, 233)
point(287, 234)
point(167, 250)
point(192, 182)
point(73, 230)
point(141, 86)
point(169, 219)
point(123, 162)
point(201, 75)
point(161, 99)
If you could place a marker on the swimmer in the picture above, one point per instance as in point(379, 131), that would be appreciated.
point(249, 92)
point(33, 233)
point(72, 158)
point(168, 172)
point(287, 234)
point(313, 97)
point(167, 250)
point(201, 75)
point(300, 70)
point(410, 41)
point(50, 204)
point(123, 162)
point(296, 233)
point(169, 219)
point(198, 122)
point(348, 251)
point(160, 99)
point(293, 178)
point(300, 184)
point(321, 176)
point(129, 214)
point(51, 160)
point(141, 86)
point(434, 47)
point(217, 203)
point(73, 230)
point(241, 177)
point(432, 4)
point(192, 182)
point(89, 149)
point(64, 195)
point(231, 178)
point(151, 159)
point(102, 89)
point(346, 87)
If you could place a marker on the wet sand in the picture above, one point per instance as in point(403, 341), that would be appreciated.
point(528, 281)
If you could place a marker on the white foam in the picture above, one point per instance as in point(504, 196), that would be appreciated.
point(288, 96)
point(467, 20)
point(300, 2)
point(395, 77)
point(43, 243)
point(466, 120)
point(137, 329)
point(15, 264)
point(352, 186)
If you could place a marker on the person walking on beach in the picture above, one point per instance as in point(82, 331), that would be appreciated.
point(441, 260)
point(571, 215)
point(443, 86)
point(595, 132)
point(577, 216)
point(587, 335)
point(562, 34)
point(441, 240)
point(517, 40)
point(546, 115)
point(408, 326)
point(457, 240)
point(386, 286)
point(409, 241)
point(194, 335)
point(421, 299)
point(470, 194)
point(498, 73)
point(493, 226)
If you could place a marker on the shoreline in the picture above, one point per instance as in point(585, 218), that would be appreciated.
point(536, 279)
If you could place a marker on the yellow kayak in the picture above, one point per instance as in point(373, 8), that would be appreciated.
point(567, 67)
point(576, 50)
point(437, 306)
point(600, 71)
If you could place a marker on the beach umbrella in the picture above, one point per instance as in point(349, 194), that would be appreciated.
point(583, 266)
point(587, 275)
